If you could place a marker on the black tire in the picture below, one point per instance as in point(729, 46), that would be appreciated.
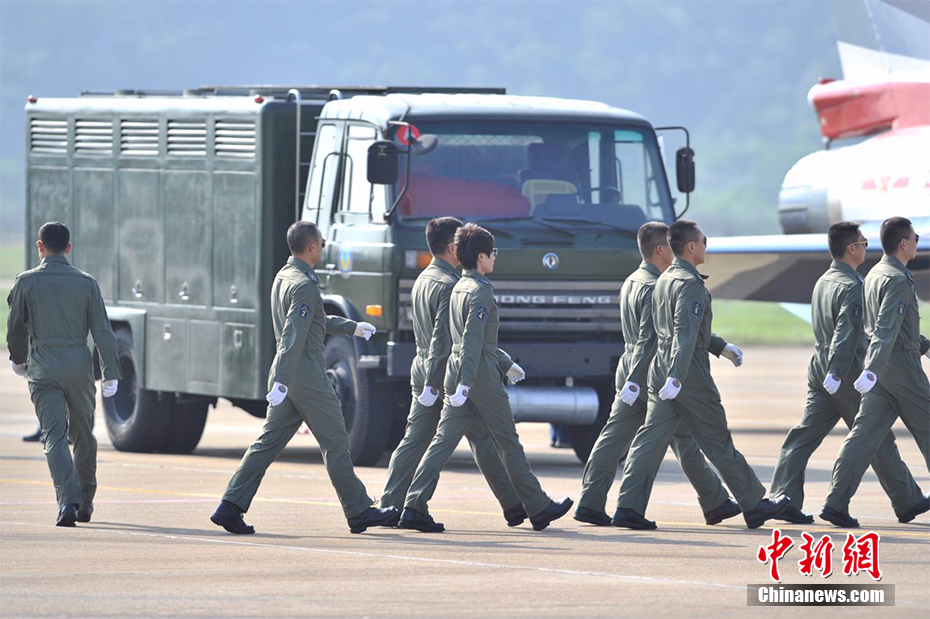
point(366, 404)
point(584, 437)
point(137, 420)
point(186, 428)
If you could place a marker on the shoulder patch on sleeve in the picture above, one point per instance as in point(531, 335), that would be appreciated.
point(902, 307)
point(482, 312)
point(857, 310)
point(697, 309)
point(304, 310)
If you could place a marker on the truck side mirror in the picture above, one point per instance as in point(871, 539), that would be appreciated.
point(382, 163)
point(684, 168)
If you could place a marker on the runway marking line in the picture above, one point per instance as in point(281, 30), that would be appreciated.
point(26, 482)
point(395, 557)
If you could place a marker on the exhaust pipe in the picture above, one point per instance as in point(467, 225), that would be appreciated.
point(569, 405)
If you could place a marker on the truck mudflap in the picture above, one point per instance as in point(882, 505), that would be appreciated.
point(135, 319)
point(568, 405)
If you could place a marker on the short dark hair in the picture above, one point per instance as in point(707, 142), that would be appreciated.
point(894, 230)
point(440, 233)
point(680, 234)
point(55, 236)
point(300, 235)
point(651, 234)
point(471, 240)
point(840, 236)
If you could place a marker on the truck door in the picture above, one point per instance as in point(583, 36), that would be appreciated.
point(322, 185)
point(356, 249)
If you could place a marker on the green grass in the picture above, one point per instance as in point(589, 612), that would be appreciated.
point(767, 324)
point(751, 322)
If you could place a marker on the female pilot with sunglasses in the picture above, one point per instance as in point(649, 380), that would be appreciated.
point(474, 387)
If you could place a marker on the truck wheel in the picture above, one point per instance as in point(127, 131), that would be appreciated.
point(583, 437)
point(365, 404)
point(136, 419)
point(186, 428)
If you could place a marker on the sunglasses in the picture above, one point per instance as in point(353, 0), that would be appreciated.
point(864, 243)
point(494, 252)
point(322, 243)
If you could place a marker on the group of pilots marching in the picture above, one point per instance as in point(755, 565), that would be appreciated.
point(866, 370)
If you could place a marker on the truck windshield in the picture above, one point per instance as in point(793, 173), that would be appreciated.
point(541, 172)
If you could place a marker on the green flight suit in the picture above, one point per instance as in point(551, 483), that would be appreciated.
point(837, 321)
point(475, 363)
point(430, 299)
point(682, 315)
point(52, 309)
point(614, 441)
point(300, 328)
point(892, 326)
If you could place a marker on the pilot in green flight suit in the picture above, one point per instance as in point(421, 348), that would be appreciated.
point(892, 383)
point(430, 300)
point(681, 389)
point(629, 408)
point(474, 390)
point(837, 321)
point(301, 392)
point(52, 309)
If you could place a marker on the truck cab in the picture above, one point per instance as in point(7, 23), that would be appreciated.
point(563, 185)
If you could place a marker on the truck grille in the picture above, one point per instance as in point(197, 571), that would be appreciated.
point(552, 307)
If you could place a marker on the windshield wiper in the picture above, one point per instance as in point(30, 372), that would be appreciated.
point(540, 222)
point(498, 231)
point(597, 223)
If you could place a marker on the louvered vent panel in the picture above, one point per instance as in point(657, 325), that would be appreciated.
point(48, 136)
point(93, 137)
point(187, 139)
point(235, 139)
point(139, 137)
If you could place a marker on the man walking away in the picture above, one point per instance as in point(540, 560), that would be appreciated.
point(53, 307)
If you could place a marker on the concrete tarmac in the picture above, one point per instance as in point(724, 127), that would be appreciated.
point(151, 549)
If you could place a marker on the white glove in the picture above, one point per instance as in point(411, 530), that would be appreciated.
point(458, 398)
point(831, 383)
point(670, 390)
point(277, 394)
point(629, 393)
point(19, 369)
point(734, 354)
point(428, 397)
point(365, 330)
point(109, 388)
point(865, 382)
point(515, 374)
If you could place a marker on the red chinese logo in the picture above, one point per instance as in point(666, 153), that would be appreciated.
point(861, 555)
point(775, 551)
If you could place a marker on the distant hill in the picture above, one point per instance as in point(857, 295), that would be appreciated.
point(735, 73)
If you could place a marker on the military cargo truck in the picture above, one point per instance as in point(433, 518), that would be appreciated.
point(178, 204)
